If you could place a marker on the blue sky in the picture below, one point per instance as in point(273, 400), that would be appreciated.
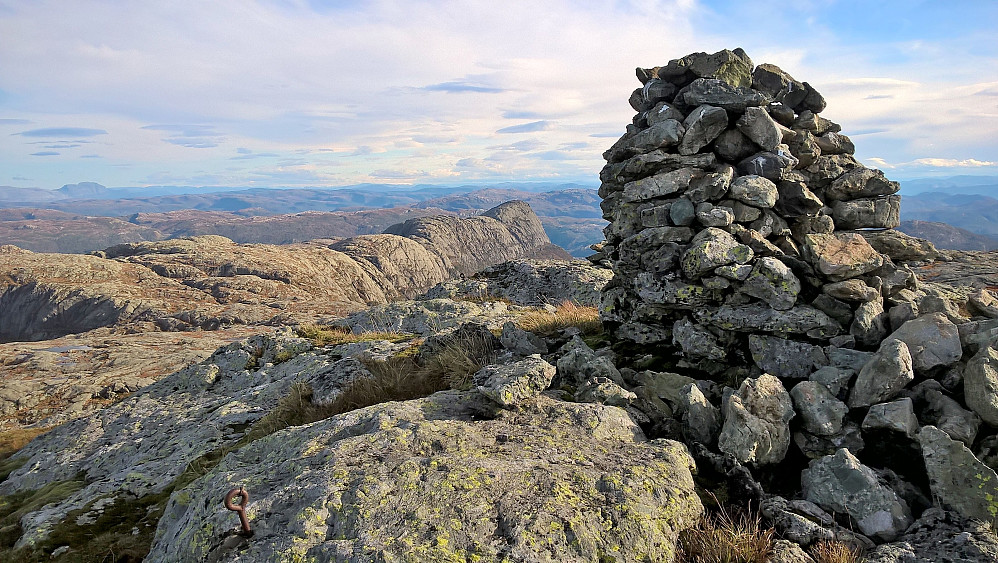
point(322, 92)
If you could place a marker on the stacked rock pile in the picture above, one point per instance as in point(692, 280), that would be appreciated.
point(748, 245)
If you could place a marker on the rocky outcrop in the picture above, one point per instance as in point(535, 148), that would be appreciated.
point(209, 281)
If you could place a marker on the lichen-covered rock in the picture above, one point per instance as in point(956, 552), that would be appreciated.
point(602, 390)
point(711, 248)
point(426, 317)
point(513, 383)
point(773, 282)
point(980, 384)
point(434, 480)
point(757, 422)
point(957, 478)
point(579, 363)
point(757, 125)
point(841, 484)
point(703, 125)
point(754, 190)
point(522, 342)
point(841, 256)
point(701, 420)
point(939, 535)
point(784, 357)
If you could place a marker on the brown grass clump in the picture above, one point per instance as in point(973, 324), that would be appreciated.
point(721, 538)
point(322, 335)
point(568, 314)
point(834, 552)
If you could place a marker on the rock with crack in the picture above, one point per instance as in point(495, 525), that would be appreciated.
point(757, 422)
point(511, 384)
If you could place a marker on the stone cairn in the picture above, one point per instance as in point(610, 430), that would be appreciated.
point(750, 247)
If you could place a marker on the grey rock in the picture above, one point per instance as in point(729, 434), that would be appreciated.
point(696, 341)
point(851, 290)
point(660, 185)
point(759, 127)
point(803, 527)
point(896, 417)
point(743, 213)
point(810, 121)
point(732, 67)
point(983, 303)
point(682, 212)
point(778, 85)
point(514, 383)
point(664, 385)
point(785, 358)
point(663, 135)
point(657, 216)
point(711, 248)
point(717, 93)
point(939, 535)
point(838, 310)
point(816, 446)
point(958, 480)
point(933, 341)
point(755, 317)
point(869, 324)
point(804, 147)
point(841, 256)
point(580, 363)
point(785, 551)
point(861, 183)
point(756, 241)
point(701, 420)
point(849, 359)
point(769, 164)
point(754, 190)
point(605, 392)
point(820, 412)
point(901, 247)
point(835, 379)
point(813, 101)
point(835, 143)
point(841, 484)
point(349, 487)
point(902, 313)
point(773, 282)
point(703, 125)
point(520, 341)
point(884, 376)
point(733, 146)
point(735, 272)
point(879, 213)
point(712, 186)
point(710, 216)
point(757, 422)
point(945, 413)
point(980, 385)
point(796, 200)
point(664, 111)
point(807, 225)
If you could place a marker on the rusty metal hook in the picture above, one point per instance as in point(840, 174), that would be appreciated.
point(239, 508)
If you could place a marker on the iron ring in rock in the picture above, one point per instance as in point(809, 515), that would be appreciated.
point(239, 508)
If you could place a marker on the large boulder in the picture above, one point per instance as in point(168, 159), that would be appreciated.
point(980, 385)
point(757, 422)
point(884, 376)
point(933, 341)
point(431, 480)
point(841, 484)
point(841, 256)
point(957, 478)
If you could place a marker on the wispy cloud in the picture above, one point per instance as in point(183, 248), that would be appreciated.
point(9, 121)
point(933, 163)
point(191, 136)
point(62, 132)
point(45, 153)
point(526, 127)
point(459, 86)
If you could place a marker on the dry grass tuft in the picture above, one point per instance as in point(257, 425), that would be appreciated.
point(322, 335)
point(721, 538)
point(568, 314)
point(834, 552)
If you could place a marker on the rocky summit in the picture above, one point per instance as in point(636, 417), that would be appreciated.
point(753, 336)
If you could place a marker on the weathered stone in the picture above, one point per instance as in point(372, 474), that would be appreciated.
point(772, 165)
point(816, 446)
point(664, 385)
point(757, 317)
point(849, 359)
point(980, 385)
point(663, 135)
point(773, 282)
point(880, 213)
point(711, 248)
point(701, 420)
point(827, 168)
point(759, 127)
point(796, 200)
point(939, 536)
point(835, 143)
point(778, 85)
point(834, 378)
point(785, 358)
point(861, 183)
point(703, 125)
point(841, 256)
point(813, 101)
point(896, 417)
point(754, 190)
point(854, 290)
point(800, 521)
point(660, 185)
point(820, 411)
point(757, 422)
point(983, 303)
point(520, 341)
point(733, 146)
point(682, 212)
point(945, 413)
point(711, 187)
point(786, 551)
point(804, 147)
point(605, 392)
point(735, 272)
point(884, 376)
point(933, 341)
point(869, 324)
point(512, 384)
point(810, 121)
point(392, 503)
point(843, 485)
point(696, 341)
point(710, 216)
point(663, 111)
point(743, 213)
point(717, 93)
point(959, 481)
